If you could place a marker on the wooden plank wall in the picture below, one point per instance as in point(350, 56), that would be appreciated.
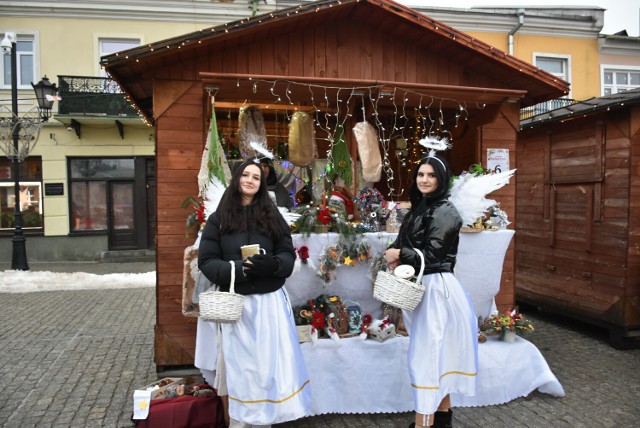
point(632, 284)
point(337, 49)
point(575, 188)
point(502, 134)
point(180, 140)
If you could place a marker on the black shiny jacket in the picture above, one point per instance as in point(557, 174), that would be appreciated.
point(435, 232)
point(216, 250)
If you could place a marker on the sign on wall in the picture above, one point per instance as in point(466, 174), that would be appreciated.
point(53, 189)
point(498, 160)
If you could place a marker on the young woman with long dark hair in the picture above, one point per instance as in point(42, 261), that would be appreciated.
point(261, 367)
point(443, 354)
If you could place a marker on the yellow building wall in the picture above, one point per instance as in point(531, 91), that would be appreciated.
point(56, 145)
point(70, 47)
point(80, 56)
point(582, 52)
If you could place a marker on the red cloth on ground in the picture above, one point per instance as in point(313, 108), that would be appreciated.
point(186, 411)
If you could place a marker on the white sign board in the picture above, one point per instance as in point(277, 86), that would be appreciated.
point(498, 160)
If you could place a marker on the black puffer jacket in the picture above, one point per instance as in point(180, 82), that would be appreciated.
point(216, 250)
point(435, 232)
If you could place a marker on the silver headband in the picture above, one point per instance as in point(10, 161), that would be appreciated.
point(432, 155)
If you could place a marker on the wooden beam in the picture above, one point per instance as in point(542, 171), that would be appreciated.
point(264, 106)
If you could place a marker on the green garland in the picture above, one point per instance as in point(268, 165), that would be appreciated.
point(308, 220)
point(215, 157)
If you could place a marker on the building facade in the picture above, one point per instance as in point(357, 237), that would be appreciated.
point(89, 184)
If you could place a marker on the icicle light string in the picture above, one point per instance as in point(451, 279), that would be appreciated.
point(331, 136)
point(325, 122)
point(373, 89)
point(383, 138)
point(392, 132)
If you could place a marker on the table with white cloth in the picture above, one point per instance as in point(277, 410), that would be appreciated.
point(366, 376)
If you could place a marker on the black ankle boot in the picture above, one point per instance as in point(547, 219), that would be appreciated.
point(412, 425)
point(443, 419)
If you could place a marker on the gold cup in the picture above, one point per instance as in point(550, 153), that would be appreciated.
point(249, 250)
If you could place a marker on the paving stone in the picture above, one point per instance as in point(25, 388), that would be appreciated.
point(79, 366)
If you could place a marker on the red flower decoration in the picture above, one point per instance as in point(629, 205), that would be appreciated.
point(324, 216)
point(303, 253)
point(200, 214)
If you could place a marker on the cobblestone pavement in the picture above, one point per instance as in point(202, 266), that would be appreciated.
point(73, 359)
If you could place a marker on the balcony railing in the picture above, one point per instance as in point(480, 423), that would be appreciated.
point(545, 107)
point(92, 96)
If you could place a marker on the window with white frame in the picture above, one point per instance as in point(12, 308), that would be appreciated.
point(558, 65)
point(110, 45)
point(619, 79)
point(25, 62)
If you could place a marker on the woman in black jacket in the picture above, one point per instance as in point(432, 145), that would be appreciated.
point(264, 371)
point(443, 354)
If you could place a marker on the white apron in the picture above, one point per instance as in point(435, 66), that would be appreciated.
point(443, 346)
point(266, 375)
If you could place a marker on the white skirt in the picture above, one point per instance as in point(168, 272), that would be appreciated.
point(443, 343)
point(266, 376)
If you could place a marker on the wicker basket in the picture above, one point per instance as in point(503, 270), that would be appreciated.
point(399, 292)
point(222, 306)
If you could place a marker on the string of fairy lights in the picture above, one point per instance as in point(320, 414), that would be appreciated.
point(332, 106)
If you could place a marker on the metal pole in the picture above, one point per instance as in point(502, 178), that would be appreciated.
point(19, 255)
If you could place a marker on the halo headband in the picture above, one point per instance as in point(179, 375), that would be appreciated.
point(434, 144)
point(432, 155)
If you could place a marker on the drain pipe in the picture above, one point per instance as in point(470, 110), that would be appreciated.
point(520, 15)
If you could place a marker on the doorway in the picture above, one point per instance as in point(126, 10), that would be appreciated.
point(121, 208)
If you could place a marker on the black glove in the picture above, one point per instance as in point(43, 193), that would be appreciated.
point(261, 265)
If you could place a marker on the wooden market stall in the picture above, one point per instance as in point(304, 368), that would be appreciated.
point(344, 61)
point(578, 213)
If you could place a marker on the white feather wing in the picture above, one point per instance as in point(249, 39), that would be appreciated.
point(468, 193)
point(212, 197)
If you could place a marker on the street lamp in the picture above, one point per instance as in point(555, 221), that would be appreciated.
point(45, 92)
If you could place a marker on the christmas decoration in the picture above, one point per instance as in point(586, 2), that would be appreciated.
point(349, 251)
point(251, 129)
point(342, 165)
point(369, 151)
point(329, 213)
point(302, 145)
point(381, 329)
point(196, 218)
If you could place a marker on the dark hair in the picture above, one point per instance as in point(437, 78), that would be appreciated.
point(272, 178)
point(263, 214)
point(443, 173)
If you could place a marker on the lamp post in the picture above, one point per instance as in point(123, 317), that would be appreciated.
point(43, 88)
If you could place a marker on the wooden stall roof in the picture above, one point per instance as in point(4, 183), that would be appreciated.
point(584, 108)
point(132, 68)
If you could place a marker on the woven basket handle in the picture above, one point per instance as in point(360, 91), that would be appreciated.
point(232, 285)
point(419, 277)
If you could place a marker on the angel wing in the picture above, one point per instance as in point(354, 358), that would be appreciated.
point(468, 193)
point(289, 217)
point(214, 190)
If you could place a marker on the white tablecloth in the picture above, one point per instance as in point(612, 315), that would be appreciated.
point(355, 376)
point(479, 266)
